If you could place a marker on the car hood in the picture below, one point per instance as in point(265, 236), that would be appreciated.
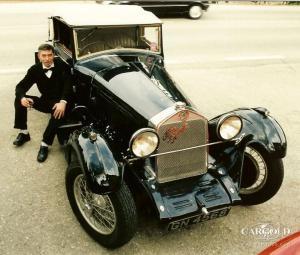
point(136, 89)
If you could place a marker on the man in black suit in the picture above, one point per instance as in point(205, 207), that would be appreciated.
point(53, 81)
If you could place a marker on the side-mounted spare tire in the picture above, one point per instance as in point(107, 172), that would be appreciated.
point(262, 176)
point(109, 219)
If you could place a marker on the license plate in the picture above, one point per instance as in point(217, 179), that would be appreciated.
point(177, 224)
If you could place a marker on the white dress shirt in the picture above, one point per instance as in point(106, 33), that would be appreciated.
point(49, 73)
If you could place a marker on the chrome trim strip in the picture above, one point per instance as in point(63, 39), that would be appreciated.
point(164, 5)
point(191, 148)
point(155, 120)
point(238, 140)
point(71, 125)
point(76, 44)
point(115, 51)
point(166, 113)
point(50, 24)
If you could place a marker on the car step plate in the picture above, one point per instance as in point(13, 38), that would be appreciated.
point(177, 224)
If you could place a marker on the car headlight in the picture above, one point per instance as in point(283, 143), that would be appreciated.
point(229, 127)
point(144, 142)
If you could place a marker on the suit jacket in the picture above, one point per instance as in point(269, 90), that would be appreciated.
point(57, 87)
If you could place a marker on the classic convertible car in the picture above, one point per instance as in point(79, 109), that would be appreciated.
point(192, 8)
point(133, 132)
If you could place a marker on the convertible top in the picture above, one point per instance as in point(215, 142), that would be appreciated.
point(77, 15)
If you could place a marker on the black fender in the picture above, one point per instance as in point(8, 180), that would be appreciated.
point(203, 5)
point(265, 130)
point(103, 173)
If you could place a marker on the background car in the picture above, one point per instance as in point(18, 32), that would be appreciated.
point(192, 8)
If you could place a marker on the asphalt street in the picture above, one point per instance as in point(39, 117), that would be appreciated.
point(235, 56)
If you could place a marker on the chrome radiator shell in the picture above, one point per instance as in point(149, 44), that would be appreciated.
point(180, 130)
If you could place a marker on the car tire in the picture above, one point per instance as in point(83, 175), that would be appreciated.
point(109, 219)
point(262, 176)
point(195, 12)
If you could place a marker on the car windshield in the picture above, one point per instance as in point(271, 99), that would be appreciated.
point(97, 39)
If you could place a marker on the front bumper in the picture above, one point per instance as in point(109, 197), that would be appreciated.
point(188, 197)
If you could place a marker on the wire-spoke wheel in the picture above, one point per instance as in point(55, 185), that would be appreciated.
point(256, 170)
point(97, 210)
point(110, 219)
point(195, 12)
point(261, 176)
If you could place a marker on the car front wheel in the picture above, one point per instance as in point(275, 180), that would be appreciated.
point(110, 219)
point(262, 176)
point(195, 12)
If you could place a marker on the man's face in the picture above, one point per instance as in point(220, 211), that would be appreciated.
point(46, 57)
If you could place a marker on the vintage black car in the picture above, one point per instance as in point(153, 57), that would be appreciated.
point(192, 8)
point(134, 134)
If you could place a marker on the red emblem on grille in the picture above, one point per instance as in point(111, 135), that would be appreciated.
point(173, 133)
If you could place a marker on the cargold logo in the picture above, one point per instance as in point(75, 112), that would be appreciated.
point(265, 231)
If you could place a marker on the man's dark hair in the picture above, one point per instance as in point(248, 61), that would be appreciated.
point(46, 46)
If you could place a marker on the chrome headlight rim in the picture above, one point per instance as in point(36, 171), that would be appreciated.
point(139, 132)
point(221, 122)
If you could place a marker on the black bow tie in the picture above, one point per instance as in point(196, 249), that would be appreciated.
point(48, 69)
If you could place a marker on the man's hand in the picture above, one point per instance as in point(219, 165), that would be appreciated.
point(26, 102)
point(59, 110)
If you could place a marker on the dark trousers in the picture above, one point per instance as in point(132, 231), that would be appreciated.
point(42, 105)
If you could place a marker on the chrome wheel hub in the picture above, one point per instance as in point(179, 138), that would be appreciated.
point(195, 12)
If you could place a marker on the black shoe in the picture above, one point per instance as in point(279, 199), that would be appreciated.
point(21, 139)
point(43, 154)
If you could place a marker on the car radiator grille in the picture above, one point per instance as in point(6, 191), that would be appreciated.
point(183, 130)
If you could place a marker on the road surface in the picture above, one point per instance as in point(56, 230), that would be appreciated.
point(235, 56)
